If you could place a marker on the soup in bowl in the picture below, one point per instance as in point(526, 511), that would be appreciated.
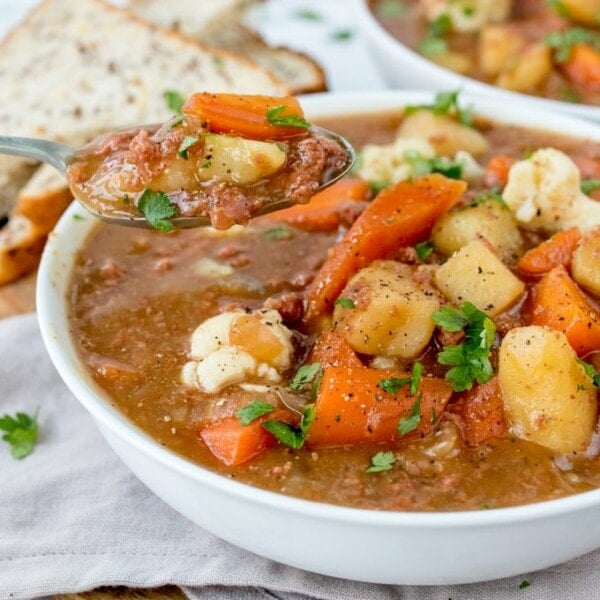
point(406, 364)
point(534, 51)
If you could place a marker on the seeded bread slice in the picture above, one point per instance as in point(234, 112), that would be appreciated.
point(219, 24)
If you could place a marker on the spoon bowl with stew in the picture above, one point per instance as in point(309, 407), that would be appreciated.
point(186, 173)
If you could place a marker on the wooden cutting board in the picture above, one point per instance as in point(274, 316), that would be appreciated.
point(18, 298)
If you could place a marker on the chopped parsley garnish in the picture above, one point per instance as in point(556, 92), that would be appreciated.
point(590, 185)
point(391, 8)
point(21, 433)
point(438, 164)
point(275, 117)
point(280, 232)
point(394, 384)
point(377, 186)
point(590, 371)
point(309, 374)
point(559, 7)
point(488, 196)
point(341, 35)
point(253, 411)
point(292, 436)
point(524, 584)
point(446, 103)
point(157, 208)
point(382, 461)
point(309, 15)
point(345, 303)
point(217, 60)
point(424, 250)
point(569, 95)
point(410, 423)
point(470, 361)
point(174, 100)
point(186, 143)
point(563, 41)
point(434, 43)
point(78, 218)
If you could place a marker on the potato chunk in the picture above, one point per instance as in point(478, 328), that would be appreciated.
point(488, 220)
point(391, 315)
point(532, 69)
point(585, 265)
point(445, 134)
point(239, 161)
point(548, 398)
point(584, 11)
point(477, 275)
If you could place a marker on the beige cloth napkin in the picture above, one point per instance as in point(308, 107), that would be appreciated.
point(72, 518)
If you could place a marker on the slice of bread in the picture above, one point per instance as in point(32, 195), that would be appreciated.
point(219, 24)
point(72, 70)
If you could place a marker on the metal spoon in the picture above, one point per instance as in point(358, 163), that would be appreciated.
point(59, 155)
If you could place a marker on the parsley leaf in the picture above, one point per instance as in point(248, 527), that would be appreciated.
point(157, 208)
point(341, 35)
point(305, 375)
point(275, 117)
point(186, 143)
point(280, 232)
point(470, 361)
point(488, 196)
point(174, 100)
point(382, 461)
point(524, 584)
point(344, 303)
point(394, 384)
point(424, 250)
point(21, 433)
point(590, 371)
point(253, 411)
point(292, 436)
point(590, 185)
point(433, 42)
point(391, 8)
point(559, 7)
point(563, 41)
point(446, 103)
point(309, 15)
point(438, 164)
point(410, 423)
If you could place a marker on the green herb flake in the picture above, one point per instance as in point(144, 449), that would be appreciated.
point(394, 384)
point(590, 185)
point(563, 41)
point(433, 46)
point(274, 117)
point(342, 35)
point(253, 411)
point(524, 584)
point(345, 303)
point(470, 361)
point(568, 94)
point(217, 60)
point(293, 437)
point(21, 433)
point(280, 232)
point(174, 100)
point(433, 43)
point(391, 8)
point(377, 186)
point(186, 143)
point(382, 461)
point(410, 423)
point(446, 103)
point(438, 164)
point(79, 218)
point(309, 15)
point(305, 375)
point(559, 7)
point(157, 208)
point(489, 196)
point(424, 250)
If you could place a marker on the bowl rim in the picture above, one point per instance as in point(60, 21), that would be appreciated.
point(445, 77)
point(51, 301)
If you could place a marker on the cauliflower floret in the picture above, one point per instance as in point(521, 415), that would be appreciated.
point(388, 162)
point(401, 160)
point(544, 194)
point(467, 15)
point(234, 347)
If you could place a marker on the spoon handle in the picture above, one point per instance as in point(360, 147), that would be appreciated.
point(53, 153)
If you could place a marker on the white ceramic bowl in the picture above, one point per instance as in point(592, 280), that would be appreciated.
point(367, 545)
point(404, 68)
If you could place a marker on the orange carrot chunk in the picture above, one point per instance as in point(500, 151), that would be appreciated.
point(480, 413)
point(583, 66)
point(556, 301)
point(351, 408)
point(496, 171)
point(332, 350)
point(233, 443)
point(400, 215)
point(557, 250)
point(322, 212)
point(248, 115)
